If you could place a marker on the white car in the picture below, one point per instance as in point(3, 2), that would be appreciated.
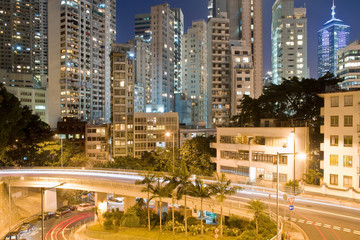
point(85, 207)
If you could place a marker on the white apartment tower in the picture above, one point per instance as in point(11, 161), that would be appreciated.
point(219, 73)
point(80, 37)
point(289, 41)
point(122, 99)
point(242, 74)
point(194, 73)
point(162, 58)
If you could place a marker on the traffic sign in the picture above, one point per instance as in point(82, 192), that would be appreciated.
point(291, 200)
point(216, 236)
point(291, 207)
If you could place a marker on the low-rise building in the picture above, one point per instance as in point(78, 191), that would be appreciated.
point(72, 129)
point(341, 139)
point(248, 154)
point(150, 131)
point(97, 142)
point(188, 134)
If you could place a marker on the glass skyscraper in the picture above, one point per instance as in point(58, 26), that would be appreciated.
point(332, 37)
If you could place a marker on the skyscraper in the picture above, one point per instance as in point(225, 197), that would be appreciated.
point(80, 37)
point(23, 26)
point(289, 41)
point(195, 75)
point(142, 26)
point(245, 24)
point(348, 65)
point(162, 58)
point(331, 38)
point(178, 33)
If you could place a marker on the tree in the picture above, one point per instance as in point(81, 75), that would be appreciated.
point(184, 185)
point(148, 181)
point(201, 191)
point(258, 208)
point(160, 191)
point(173, 182)
point(222, 188)
point(313, 176)
point(196, 153)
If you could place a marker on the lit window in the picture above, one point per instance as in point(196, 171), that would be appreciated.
point(347, 181)
point(334, 160)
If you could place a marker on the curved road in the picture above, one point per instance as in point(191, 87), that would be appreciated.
point(318, 218)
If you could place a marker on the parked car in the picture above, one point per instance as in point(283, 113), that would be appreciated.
point(12, 236)
point(72, 208)
point(25, 228)
point(85, 207)
point(47, 215)
point(62, 211)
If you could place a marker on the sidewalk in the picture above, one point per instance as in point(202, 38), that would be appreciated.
point(80, 233)
point(339, 201)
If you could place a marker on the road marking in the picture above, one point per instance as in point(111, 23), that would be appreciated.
point(301, 221)
point(309, 222)
point(356, 232)
point(293, 219)
point(327, 225)
point(336, 227)
point(346, 230)
point(318, 224)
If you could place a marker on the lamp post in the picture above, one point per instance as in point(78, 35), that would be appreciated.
point(277, 191)
point(168, 134)
point(42, 209)
point(293, 134)
point(9, 207)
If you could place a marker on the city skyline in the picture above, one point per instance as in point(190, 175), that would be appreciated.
point(318, 12)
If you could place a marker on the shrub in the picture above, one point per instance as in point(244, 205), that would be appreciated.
point(130, 220)
point(236, 222)
point(192, 221)
point(108, 224)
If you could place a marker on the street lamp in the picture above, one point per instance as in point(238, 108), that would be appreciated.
point(293, 134)
point(168, 134)
point(42, 208)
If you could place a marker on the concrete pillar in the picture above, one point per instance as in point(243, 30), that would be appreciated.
point(50, 200)
point(129, 202)
point(163, 208)
point(101, 204)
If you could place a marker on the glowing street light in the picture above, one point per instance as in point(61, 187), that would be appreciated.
point(168, 134)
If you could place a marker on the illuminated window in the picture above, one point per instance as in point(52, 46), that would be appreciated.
point(334, 160)
point(348, 160)
point(348, 141)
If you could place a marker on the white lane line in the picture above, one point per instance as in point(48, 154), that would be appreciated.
point(293, 219)
point(301, 221)
point(356, 232)
point(309, 222)
point(336, 227)
point(347, 230)
point(318, 224)
point(327, 225)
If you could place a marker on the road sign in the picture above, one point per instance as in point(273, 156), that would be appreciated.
point(216, 236)
point(291, 200)
point(291, 207)
point(216, 230)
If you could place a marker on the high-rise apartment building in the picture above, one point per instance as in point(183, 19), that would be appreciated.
point(332, 37)
point(245, 24)
point(219, 73)
point(348, 65)
point(178, 33)
point(242, 74)
point(194, 73)
point(162, 58)
point(122, 99)
point(142, 26)
point(23, 26)
point(142, 73)
point(289, 41)
point(80, 37)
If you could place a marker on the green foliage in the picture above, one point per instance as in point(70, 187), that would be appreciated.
point(130, 220)
point(196, 153)
point(313, 176)
point(108, 224)
point(236, 222)
point(290, 183)
point(250, 235)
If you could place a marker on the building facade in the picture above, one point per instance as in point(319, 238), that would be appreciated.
point(340, 129)
point(80, 37)
point(142, 74)
point(142, 26)
point(331, 38)
point(246, 24)
point(348, 65)
point(289, 41)
point(195, 74)
point(34, 98)
point(162, 58)
point(122, 100)
point(97, 142)
point(178, 34)
point(219, 73)
point(250, 154)
point(150, 132)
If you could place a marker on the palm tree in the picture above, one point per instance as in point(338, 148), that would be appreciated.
point(257, 207)
point(172, 185)
point(222, 189)
point(148, 181)
point(160, 191)
point(201, 191)
point(184, 185)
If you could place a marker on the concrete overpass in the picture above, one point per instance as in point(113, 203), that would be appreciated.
point(103, 182)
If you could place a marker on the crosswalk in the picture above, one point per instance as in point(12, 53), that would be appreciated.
point(318, 224)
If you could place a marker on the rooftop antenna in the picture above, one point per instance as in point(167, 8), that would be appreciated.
point(333, 10)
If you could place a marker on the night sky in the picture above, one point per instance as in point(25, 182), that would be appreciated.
point(318, 12)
